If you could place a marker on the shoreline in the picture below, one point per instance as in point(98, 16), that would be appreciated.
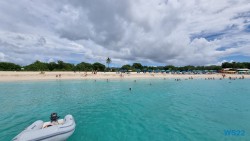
point(8, 76)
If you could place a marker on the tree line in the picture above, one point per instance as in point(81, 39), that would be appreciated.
point(52, 66)
point(235, 65)
point(138, 66)
point(83, 66)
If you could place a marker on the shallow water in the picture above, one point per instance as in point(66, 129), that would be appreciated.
point(109, 111)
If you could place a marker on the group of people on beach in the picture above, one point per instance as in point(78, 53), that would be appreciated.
point(94, 72)
point(178, 79)
point(209, 78)
point(234, 78)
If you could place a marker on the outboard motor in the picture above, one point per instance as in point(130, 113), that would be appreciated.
point(54, 117)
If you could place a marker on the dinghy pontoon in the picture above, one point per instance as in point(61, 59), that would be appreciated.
point(55, 130)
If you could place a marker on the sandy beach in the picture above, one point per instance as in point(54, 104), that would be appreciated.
point(23, 76)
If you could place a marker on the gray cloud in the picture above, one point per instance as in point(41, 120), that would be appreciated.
point(152, 32)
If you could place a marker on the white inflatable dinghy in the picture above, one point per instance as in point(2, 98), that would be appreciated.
point(54, 130)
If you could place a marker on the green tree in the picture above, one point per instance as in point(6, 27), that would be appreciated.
point(84, 67)
point(37, 66)
point(137, 66)
point(98, 66)
point(6, 66)
point(170, 67)
point(213, 67)
point(226, 65)
point(199, 68)
point(52, 66)
point(108, 61)
point(246, 65)
point(126, 67)
point(235, 65)
point(62, 66)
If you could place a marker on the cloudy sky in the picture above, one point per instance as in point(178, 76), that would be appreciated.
point(152, 32)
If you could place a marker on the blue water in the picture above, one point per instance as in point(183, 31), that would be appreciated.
point(194, 110)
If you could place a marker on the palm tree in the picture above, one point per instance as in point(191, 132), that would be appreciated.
point(108, 61)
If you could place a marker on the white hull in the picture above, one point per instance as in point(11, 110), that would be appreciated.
point(39, 132)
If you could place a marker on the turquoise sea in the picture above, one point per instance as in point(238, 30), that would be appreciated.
point(166, 110)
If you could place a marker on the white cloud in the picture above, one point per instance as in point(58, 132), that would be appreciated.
point(2, 57)
point(151, 32)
